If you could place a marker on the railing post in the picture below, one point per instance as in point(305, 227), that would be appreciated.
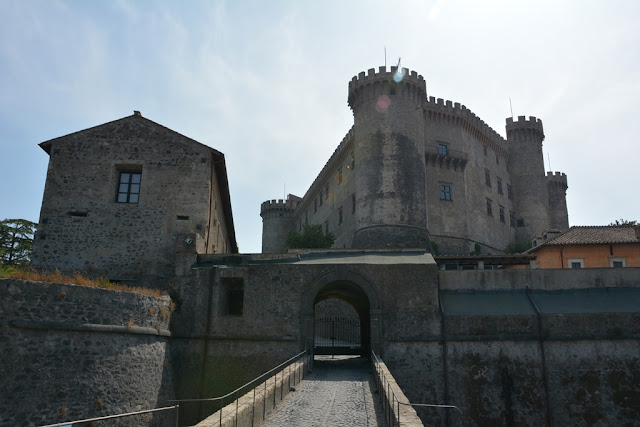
point(237, 399)
point(253, 407)
point(177, 415)
point(264, 402)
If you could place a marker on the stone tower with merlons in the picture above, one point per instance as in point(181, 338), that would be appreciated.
point(416, 170)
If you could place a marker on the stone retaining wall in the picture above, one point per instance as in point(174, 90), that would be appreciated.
point(71, 352)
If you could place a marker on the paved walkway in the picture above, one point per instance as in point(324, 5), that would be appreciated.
point(337, 393)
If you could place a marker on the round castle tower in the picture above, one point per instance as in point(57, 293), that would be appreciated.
point(390, 162)
point(526, 164)
point(557, 188)
point(277, 221)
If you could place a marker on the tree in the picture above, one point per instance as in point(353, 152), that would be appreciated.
point(16, 240)
point(623, 222)
point(311, 237)
point(517, 247)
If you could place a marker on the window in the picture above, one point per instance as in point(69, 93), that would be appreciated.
point(231, 296)
point(509, 192)
point(353, 203)
point(442, 149)
point(340, 215)
point(497, 159)
point(617, 262)
point(320, 204)
point(340, 176)
point(489, 208)
point(512, 219)
point(315, 205)
point(326, 191)
point(501, 213)
point(445, 192)
point(499, 186)
point(487, 177)
point(575, 263)
point(129, 187)
point(484, 147)
point(520, 222)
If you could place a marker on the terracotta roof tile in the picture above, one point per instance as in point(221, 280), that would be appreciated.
point(593, 235)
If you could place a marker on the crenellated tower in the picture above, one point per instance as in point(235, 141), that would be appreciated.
point(277, 221)
point(390, 163)
point(526, 165)
point(557, 188)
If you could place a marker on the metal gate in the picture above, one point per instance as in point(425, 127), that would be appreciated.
point(337, 335)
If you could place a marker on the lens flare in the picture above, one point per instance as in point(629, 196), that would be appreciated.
point(399, 75)
point(383, 103)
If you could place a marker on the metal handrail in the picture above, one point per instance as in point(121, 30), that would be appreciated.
point(395, 398)
point(253, 381)
point(128, 414)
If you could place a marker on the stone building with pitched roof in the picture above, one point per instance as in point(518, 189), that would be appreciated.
point(127, 199)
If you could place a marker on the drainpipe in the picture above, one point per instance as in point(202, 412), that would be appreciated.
point(561, 257)
point(542, 353)
point(443, 342)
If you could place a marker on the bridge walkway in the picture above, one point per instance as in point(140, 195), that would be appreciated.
point(339, 392)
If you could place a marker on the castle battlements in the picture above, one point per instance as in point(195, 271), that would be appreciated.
point(436, 109)
point(559, 177)
point(283, 207)
point(532, 123)
point(338, 155)
point(373, 84)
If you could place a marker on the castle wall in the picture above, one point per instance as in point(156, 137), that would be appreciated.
point(473, 149)
point(498, 190)
point(502, 367)
point(83, 228)
point(72, 352)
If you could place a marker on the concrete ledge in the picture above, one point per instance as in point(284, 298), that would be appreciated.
point(88, 327)
point(253, 407)
point(390, 393)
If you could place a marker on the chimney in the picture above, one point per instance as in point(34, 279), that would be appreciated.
point(137, 113)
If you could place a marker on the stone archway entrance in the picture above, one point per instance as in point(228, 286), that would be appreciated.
point(349, 291)
point(342, 320)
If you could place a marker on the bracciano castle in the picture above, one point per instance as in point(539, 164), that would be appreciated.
point(415, 169)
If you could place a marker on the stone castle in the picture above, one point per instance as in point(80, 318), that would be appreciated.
point(415, 169)
point(136, 202)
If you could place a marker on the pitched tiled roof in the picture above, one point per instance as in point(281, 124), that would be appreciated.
point(593, 235)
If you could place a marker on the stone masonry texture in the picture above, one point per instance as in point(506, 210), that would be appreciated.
point(337, 393)
point(71, 352)
point(382, 186)
point(83, 228)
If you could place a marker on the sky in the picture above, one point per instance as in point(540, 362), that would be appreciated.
point(265, 82)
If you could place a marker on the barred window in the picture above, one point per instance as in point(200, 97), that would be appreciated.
point(489, 208)
point(443, 149)
point(501, 213)
point(499, 186)
point(487, 177)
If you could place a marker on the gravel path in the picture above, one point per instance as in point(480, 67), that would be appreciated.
point(337, 393)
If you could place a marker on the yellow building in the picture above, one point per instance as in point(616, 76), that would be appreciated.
point(591, 247)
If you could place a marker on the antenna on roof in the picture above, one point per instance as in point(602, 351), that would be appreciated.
point(399, 59)
point(385, 57)
point(549, 160)
point(511, 106)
